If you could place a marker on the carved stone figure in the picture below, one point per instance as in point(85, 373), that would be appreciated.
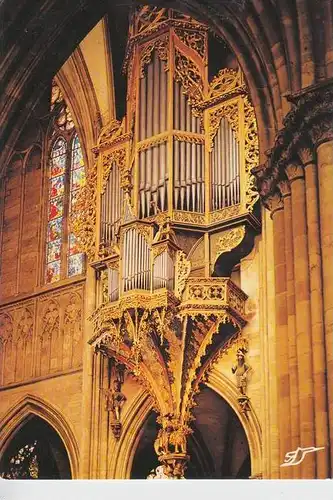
point(115, 400)
point(241, 369)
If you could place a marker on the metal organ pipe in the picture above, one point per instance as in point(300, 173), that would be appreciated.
point(110, 206)
point(225, 167)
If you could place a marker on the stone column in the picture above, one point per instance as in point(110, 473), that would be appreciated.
point(292, 353)
point(295, 175)
point(281, 332)
point(325, 177)
point(317, 323)
point(87, 376)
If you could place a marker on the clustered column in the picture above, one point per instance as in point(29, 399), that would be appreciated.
point(302, 213)
point(323, 138)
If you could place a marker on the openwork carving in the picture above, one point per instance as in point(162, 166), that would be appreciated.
point(83, 218)
point(161, 45)
point(228, 111)
point(225, 82)
point(117, 157)
point(251, 154)
point(153, 141)
point(148, 18)
point(183, 269)
point(230, 239)
point(189, 217)
point(110, 133)
point(188, 74)
point(195, 40)
point(192, 138)
point(225, 213)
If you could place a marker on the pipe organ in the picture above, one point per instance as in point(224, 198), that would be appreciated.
point(168, 214)
point(180, 158)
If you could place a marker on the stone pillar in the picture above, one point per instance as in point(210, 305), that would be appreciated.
point(292, 353)
point(317, 323)
point(87, 376)
point(325, 178)
point(295, 174)
point(281, 332)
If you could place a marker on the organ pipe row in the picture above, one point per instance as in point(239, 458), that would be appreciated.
point(164, 272)
point(225, 168)
point(111, 201)
point(173, 152)
point(182, 141)
point(136, 262)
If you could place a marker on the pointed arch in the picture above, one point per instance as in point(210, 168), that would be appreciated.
point(32, 405)
point(250, 422)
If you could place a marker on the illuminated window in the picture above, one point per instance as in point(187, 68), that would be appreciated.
point(66, 171)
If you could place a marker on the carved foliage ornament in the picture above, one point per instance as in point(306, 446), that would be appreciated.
point(195, 40)
point(83, 218)
point(161, 45)
point(183, 269)
point(228, 111)
point(251, 154)
point(117, 158)
point(225, 81)
point(188, 75)
point(229, 240)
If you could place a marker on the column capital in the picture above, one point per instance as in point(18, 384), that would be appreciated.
point(306, 155)
point(306, 126)
point(275, 204)
point(284, 187)
point(322, 131)
point(294, 171)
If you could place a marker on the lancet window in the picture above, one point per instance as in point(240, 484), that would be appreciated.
point(66, 175)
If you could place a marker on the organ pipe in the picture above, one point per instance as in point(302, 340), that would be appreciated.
point(136, 267)
point(111, 201)
point(225, 167)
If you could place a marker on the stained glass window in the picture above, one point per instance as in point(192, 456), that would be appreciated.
point(56, 210)
point(66, 177)
point(77, 181)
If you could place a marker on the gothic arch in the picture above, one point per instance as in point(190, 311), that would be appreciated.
point(32, 405)
point(121, 464)
point(250, 422)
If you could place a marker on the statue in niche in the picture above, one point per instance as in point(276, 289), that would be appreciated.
point(115, 400)
point(241, 370)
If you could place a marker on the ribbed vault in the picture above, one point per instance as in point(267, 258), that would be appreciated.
point(274, 40)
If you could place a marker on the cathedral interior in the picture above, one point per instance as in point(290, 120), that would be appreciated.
point(166, 239)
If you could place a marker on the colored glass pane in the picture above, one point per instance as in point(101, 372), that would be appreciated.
point(73, 244)
point(53, 250)
point(58, 165)
point(77, 157)
point(57, 186)
point(53, 271)
point(54, 229)
point(56, 208)
point(75, 264)
point(78, 178)
point(59, 148)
